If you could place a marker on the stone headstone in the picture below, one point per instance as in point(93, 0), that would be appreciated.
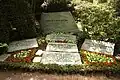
point(98, 46)
point(23, 44)
point(61, 37)
point(61, 58)
point(64, 47)
point(3, 57)
point(58, 22)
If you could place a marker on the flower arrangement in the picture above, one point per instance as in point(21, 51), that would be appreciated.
point(22, 56)
point(94, 58)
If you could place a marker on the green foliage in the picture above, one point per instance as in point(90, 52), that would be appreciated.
point(54, 68)
point(117, 6)
point(99, 22)
point(18, 15)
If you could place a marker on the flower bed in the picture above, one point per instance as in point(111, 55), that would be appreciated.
point(22, 56)
point(94, 58)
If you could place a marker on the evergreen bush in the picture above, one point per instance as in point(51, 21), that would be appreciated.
point(99, 22)
point(19, 18)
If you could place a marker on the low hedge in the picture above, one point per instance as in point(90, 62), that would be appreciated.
point(54, 68)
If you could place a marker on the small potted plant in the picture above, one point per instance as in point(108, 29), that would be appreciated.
point(3, 48)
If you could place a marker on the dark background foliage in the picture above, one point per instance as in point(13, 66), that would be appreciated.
point(17, 20)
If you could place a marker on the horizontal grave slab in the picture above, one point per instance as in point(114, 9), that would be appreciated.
point(65, 47)
point(60, 37)
point(98, 46)
point(23, 44)
point(58, 22)
point(61, 58)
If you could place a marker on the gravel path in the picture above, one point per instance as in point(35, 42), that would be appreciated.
point(38, 76)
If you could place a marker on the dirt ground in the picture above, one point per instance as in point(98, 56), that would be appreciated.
point(38, 76)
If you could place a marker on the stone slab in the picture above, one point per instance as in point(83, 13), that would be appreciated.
point(37, 59)
point(98, 46)
point(58, 22)
point(23, 44)
point(3, 57)
point(64, 47)
point(61, 58)
point(61, 37)
point(39, 52)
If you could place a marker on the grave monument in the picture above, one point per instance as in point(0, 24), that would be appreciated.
point(61, 53)
point(58, 22)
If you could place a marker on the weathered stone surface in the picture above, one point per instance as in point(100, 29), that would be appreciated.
point(23, 44)
point(58, 22)
point(98, 46)
point(61, 58)
point(39, 52)
point(4, 56)
point(65, 47)
point(36, 59)
point(61, 37)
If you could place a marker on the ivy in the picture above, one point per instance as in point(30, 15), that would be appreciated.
point(99, 21)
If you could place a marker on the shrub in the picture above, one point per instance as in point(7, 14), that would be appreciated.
point(117, 5)
point(99, 22)
point(18, 15)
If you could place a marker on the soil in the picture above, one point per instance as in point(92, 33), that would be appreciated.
point(15, 75)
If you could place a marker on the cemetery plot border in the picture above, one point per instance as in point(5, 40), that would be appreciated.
point(54, 68)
